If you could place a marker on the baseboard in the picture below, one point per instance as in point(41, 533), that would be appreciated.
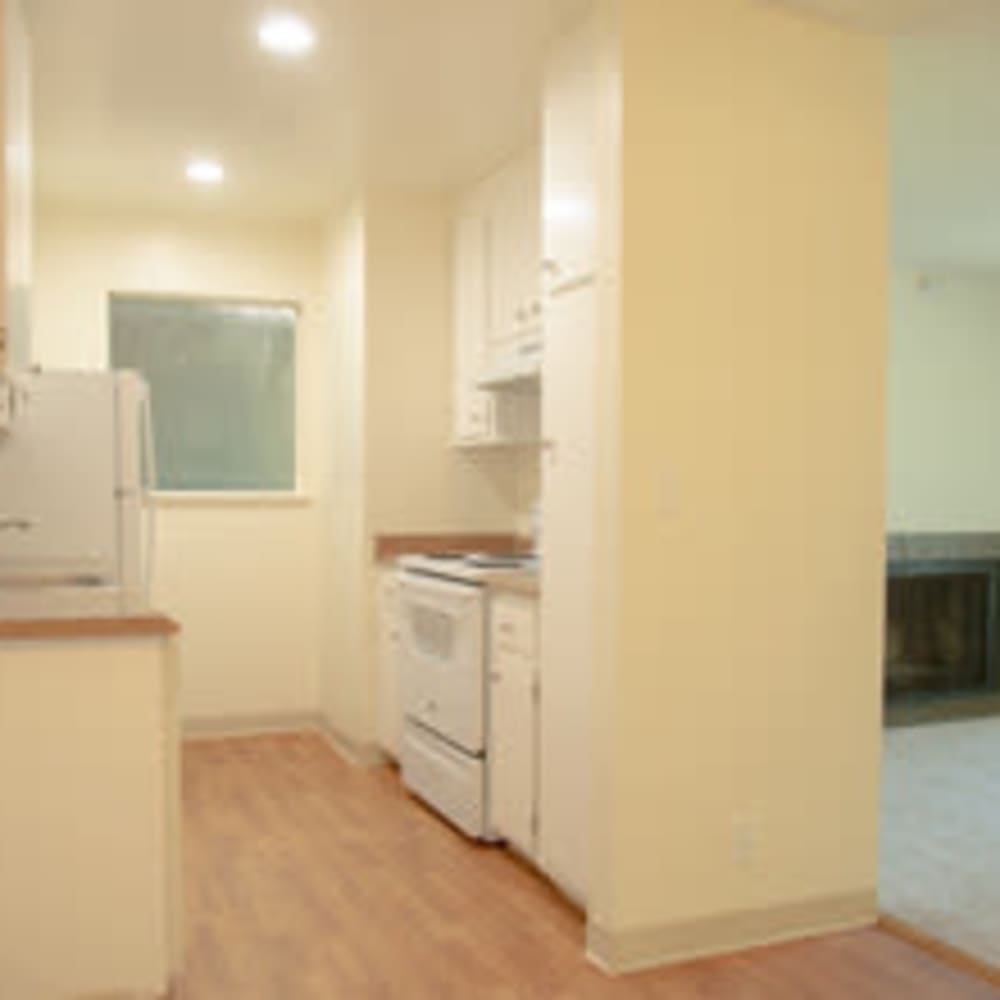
point(226, 726)
point(124, 995)
point(942, 951)
point(229, 726)
point(647, 947)
point(366, 755)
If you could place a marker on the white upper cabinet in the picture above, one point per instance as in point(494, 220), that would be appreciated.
point(497, 305)
point(571, 128)
point(515, 265)
point(16, 232)
point(473, 420)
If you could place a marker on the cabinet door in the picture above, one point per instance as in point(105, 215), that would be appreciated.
point(5, 52)
point(515, 251)
point(501, 194)
point(526, 255)
point(570, 162)
point(16, 252)
point(473, 417)
point(389, 701)
point(567, 584)
point(513, 725)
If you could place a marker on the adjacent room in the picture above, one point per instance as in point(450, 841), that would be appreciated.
point(941, 820)
point(442, 499)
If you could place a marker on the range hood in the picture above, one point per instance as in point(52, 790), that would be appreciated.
point(515, 369)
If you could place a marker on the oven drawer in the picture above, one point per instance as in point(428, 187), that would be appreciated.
point(452, 782)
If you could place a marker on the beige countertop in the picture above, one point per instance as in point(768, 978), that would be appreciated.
point(152, 624)
point(389, 547)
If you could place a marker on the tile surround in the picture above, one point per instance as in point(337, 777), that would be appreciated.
point(910, 547)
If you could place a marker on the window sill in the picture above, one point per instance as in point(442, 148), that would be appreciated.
point(197, 498)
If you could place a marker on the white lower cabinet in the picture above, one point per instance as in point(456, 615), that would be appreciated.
point(568, 576)
point(513, 735)
point(388, 707)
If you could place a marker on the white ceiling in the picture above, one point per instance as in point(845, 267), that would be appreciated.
point(421, 93)
point(426, 93)
point(945, 124)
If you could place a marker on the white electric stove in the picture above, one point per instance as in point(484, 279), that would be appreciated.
point(476, 567)
point(443, 612)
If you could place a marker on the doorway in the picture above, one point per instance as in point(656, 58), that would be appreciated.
point(939, 857)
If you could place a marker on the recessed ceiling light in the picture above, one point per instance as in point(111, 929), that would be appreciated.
point(286, 35)
point(205, 172)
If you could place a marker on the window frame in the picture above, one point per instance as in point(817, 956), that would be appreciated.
point(292, 496)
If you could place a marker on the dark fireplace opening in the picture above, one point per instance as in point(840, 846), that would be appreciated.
point(941, 636)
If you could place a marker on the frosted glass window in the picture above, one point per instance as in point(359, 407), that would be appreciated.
point(222, 382)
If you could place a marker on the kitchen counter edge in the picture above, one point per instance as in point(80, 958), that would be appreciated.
point(122, 627)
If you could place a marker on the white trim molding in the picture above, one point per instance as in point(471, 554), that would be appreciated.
point(219, 727)
point(366, 755)
point(641, 948)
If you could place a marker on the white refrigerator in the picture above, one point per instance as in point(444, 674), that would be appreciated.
point(75, 472)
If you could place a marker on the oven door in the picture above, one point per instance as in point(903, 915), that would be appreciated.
point(442, 658)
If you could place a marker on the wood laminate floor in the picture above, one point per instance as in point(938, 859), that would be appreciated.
point(307, 879)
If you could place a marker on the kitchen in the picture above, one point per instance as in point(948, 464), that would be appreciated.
point(451, 285)
point(428, 142)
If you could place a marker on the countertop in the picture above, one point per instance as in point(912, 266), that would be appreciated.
point(519, 582)
point(389, 547)
point(526, 582)
point(152, 624)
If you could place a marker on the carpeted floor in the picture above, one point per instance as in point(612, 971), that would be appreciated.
point(940, 845)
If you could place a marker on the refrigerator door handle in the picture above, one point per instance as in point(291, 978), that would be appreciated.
point(149, 486)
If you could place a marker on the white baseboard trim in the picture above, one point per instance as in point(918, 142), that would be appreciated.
point(619, 952)
point(126, 995)
point(220, 727)
point(229, 726)
point(366, 755)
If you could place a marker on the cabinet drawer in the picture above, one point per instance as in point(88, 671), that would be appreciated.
point(513, 628)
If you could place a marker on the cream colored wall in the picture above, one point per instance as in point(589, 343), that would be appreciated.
point(243, 578)
point(88, 838)
point(276, 596)
point(417, 482)
point(743, 687)
point(944, 404)
point(393, 471)
point(347, 683)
